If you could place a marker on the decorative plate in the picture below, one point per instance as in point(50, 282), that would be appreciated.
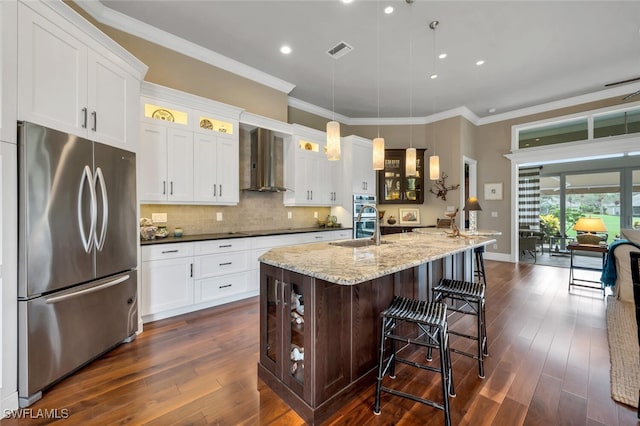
point(206, 124)
point(163, 114)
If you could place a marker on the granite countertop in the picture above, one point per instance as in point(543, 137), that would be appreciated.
point(226, 235)
point(349, 266)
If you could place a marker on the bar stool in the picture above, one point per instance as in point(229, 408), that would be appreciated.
point(431, 319)
point(480, 272)
point(471, 295)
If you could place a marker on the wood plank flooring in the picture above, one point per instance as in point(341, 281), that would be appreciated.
point(548, 365)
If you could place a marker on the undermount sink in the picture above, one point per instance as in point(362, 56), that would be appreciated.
point(360, 242)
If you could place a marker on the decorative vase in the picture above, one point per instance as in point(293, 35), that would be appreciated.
point(391, 220)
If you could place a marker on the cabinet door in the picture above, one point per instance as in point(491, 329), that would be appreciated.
point(52, 80)
point(363, 173)
point(166, 284)
point(297, 323)
point(179, 165)
point(216, 169)
point(205, 168)
point(109, 113)
point(228, 170)
point(271, 290)
point(152, 163)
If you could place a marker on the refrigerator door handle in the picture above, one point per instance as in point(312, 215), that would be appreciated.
point(56, 299)
point(99, 240)
point(87, 176)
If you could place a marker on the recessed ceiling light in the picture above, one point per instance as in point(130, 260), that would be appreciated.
point(442, 55)
point(285, 49)
point(388, 10)
point(492, 110)
point(480, 62)
point(346, 1)
point(433, 76)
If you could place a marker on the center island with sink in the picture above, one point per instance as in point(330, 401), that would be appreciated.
point(320, 305)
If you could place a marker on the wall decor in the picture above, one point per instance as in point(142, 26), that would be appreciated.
point(441, 187)
point(409, 216)
point(493, 191)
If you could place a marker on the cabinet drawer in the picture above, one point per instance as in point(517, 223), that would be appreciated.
point(220, 264)
point(166, 251)
point(218, 287)
point(222, 246)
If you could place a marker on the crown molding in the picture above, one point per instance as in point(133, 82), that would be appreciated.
point(314, 109)
point(563, 103)
point(121, 22)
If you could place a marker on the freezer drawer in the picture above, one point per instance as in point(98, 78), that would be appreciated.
point(61, 332)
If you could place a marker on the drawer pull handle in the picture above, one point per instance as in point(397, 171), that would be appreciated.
point(225, 286)
point(226, 263)
point(225, 246)
point(169, 251)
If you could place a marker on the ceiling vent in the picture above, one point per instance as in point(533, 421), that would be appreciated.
point(339, 50)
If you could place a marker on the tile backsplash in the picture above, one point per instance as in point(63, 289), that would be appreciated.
point(256, 211)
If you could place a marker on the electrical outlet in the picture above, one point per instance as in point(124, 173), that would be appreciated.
point(315, 215)
point(219, 216)
point(289, 215)
point(159, 217)
point(494, 214)
point(450, 208)
point(495, 247)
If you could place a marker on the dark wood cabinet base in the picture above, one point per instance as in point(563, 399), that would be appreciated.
point(324, 411)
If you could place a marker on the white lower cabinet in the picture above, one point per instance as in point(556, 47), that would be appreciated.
point(167, 278)
point(183, 277)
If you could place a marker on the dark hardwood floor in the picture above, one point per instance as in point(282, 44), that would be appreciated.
point(548, 365)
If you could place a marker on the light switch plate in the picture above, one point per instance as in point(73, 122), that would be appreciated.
point(159, 217)
point(289, 215)
point(494, 214)
point(219, 216)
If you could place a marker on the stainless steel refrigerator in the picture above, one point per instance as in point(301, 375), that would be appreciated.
point(77, 286)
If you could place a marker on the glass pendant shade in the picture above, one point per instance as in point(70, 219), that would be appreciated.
point(434, 167)
point(333, 140)
point(410, 162)
point(378, 154)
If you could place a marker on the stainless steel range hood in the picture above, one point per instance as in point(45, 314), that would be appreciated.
point(266, 150)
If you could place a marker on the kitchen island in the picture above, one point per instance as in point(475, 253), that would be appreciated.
point(320, 307)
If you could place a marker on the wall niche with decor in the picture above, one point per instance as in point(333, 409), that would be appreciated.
point(394, 187)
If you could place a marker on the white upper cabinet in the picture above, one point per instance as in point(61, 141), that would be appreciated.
point(307, 172)
point(166, 164)
point(70, 82)
point(216, 169)
point(190, 149)
point(358, 170)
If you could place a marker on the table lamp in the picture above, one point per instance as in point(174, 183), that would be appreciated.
point(472, 206)
point(589, 225)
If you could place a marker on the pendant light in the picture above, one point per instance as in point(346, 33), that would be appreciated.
point(434, 160)
point(410, 160)
point(333, 127)
point(378, 143)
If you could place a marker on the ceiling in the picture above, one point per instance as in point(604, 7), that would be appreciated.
point(535, 52)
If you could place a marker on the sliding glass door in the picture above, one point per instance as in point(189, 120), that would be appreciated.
point(593, 195)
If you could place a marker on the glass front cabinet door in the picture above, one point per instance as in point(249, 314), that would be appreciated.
point(394, 186)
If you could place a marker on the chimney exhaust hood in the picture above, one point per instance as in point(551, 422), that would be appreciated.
point(264, 159)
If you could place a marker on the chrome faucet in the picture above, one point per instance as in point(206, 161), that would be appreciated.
point(376, 236)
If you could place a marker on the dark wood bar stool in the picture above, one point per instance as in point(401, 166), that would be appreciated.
point(431, 321)
point(466, 298)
